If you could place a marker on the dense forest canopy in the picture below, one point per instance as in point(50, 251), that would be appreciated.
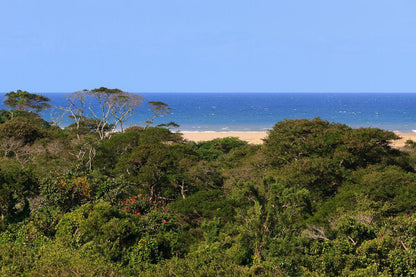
point(317, 198)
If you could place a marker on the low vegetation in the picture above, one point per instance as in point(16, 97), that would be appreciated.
point(316, 199)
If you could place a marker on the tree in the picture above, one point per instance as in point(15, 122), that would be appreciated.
point(125, 106)
point(25, 101)
point(26, 128)
point(67, 190)
point(115, 107)
point(159, 108)
point(291, 140)
point(77, 108)
point(17, 185)
point(158, 164)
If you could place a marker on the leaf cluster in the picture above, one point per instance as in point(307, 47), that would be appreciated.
point(316, 199)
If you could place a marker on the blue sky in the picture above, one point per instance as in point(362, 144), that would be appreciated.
point(208, 46)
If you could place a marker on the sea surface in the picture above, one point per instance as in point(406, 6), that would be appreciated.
point(227, 112)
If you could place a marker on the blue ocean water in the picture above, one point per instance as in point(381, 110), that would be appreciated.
point(260, 111)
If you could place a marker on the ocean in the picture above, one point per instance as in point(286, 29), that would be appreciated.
point(227, 112)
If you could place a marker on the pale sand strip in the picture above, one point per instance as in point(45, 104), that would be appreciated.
point(404, 137)
point(250, 137)
point(256, 137)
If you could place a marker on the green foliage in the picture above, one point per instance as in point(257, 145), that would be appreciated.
point(147, 250)
point(374, 192)
point(67, 190)
point(159, 168)
point(88, 126)
point(121, 145)
point(45, 220)
point(317, 199)
point(17, 185)
point(159, 135)
point(26, 129)
point(211, 150)
point(159, 109)
point(101, 227)
point(203, 204)
point(390, 185)
point(48, 259)
point(111, 150)
point(205, 262)
point(353, 230)
point(320, 176)
point(295, 139)
point(5, 115)
point(113, 190)
point(211, 229)
point(23, 100)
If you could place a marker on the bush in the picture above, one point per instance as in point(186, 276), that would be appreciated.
point(17, 186)
point(295, 139)
point(20, 128)
point(203, 205)
point(211, 150)
point(104, 228)
point(67, 190)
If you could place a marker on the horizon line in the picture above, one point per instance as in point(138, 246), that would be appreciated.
point(235, 92)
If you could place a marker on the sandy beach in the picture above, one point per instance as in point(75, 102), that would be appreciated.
point(250, 137)
point(404, 137)
point(257, 137)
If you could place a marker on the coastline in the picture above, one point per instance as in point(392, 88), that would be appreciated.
point(404, 137)
point(250, 137)
point(257, 137)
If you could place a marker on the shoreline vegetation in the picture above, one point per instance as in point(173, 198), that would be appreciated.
point(258, 137)
point(317, 198)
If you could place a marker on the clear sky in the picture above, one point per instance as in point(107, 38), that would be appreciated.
point(208, 46)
